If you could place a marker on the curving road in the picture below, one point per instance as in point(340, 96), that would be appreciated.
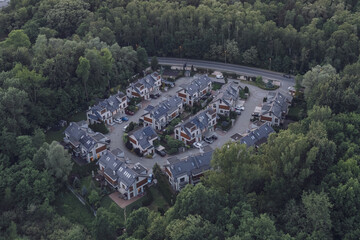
point(226, 67)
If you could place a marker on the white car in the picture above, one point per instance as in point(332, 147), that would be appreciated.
point(118, 120)
point(125, 127)
point(241, 108)
point(197, 145)
point(219, 76)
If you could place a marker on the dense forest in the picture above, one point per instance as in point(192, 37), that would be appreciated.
point(58, 56)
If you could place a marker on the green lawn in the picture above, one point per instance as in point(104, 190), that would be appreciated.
point(262, 86)
point(59, 135)
point(216, 86)
point(159, 201)
point(67, 205)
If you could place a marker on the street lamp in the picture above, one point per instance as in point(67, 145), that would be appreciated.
point(270, 63)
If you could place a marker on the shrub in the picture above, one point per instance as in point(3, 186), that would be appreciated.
point(246, 89)
point(149, 198)
point(137, 151)
point(129, 145)
point(99, 127)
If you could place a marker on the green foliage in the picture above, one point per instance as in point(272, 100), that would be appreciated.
point(163, 185)
point(173, 144)
point(154, 63)
point(99, 127)
point(58, 161)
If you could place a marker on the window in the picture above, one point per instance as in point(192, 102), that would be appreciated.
point(182, 179)
point(177, 131)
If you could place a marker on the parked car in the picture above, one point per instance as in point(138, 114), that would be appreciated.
point(197, 145)
point(161, 153)
point(125, 127)
point(238, 112)
point(125, 119)
point(209, 140)
point(214, 137)
point(128, 112)
point(241, 108)
point(286, 75)
point(219, 76)
point(117, 120)
point(152, 96)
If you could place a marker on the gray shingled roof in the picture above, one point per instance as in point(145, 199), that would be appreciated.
point(148, 81)
point(143, 136)
point(111, 104)
point(75, 133)
point(192, 165)
point(230, 92)
point(201, 120)
point(276, 103)
point(87, 142)
point(165, 107)
point(120, 171)
point(198, 84)
point(126, 175)
point(258, 135)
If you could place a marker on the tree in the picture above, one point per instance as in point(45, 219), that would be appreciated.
point(142, 57)
point(192, 227)
point(58, 162)
point(82, 72)
point(235, 171)
point(154, 63)
point(317, 210)
point(67, 15)
point(312, 80)
point(16, 39)
point(250, 56)
point(198, 200)
point(94, 198)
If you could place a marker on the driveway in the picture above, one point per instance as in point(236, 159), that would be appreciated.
point(242, 123)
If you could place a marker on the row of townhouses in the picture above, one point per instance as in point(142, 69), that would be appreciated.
point(257, 136)
point(193, 92)
point(189, 170)
point(143, 139)
point(225, 100)
point(194, 129)
point(105, 110)
point(275, 108)
point(84, 143)
point(128, 180)
point(144, 86)
point(159, 116)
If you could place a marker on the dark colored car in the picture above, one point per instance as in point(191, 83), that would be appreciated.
point(287, 76)
point(161, 153)
point(128, 112)
point(125, 119)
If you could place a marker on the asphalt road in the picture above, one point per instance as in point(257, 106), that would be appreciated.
point(226, 67)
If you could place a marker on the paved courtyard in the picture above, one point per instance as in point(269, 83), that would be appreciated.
point(241, 125)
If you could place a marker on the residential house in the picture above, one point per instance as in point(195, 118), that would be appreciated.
point(275, 108)
point(193, 130)
point(106, 109)
point(225, 100)
point(181, 172)
point(144, 86)
point(84, 142)
point(161, 115)
point(143, 139)
point(257, 136)
point(193, 92)
point(130, 181)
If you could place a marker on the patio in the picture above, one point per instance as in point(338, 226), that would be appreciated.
point(117, 198)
